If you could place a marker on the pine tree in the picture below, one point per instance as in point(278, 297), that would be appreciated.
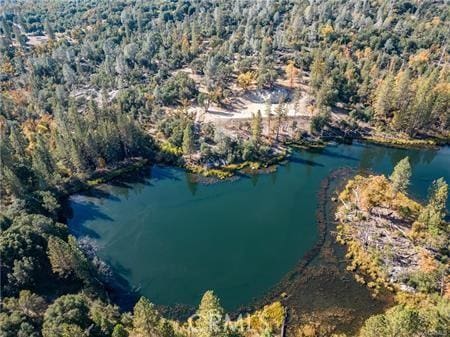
point(67, 259)
point(210, 317)
point(399, 321)
point(67, 316)
point(297, 98)
point(422, 106)
point(441, 106)
point(18, 144)
point(266, 71)
point(432, 216)
point(188, 139)
point(281, 114)
point(165, 329)
point(326, 95)
point(82, 266)
point(12, 183)
point(401, 175)
point(218, 17)
point(43, 163)
point(195, 38)
point(27, 304)
point(257, 127)
point(145, 318)
point(318, 69)
point(402, 100)
point(383, 98)
point(438, 196)
point(60, 256)
point(268, 114)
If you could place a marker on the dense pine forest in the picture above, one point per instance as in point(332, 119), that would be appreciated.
point(90, 88)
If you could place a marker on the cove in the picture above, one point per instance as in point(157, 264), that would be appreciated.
point(171, 239)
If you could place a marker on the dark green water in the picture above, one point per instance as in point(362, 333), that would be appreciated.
point(173, 239)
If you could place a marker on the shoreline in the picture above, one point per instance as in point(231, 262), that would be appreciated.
point(126, 295)
point(227, 171)
point(291, 284)
point(279, 291)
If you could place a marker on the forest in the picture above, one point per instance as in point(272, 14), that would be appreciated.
point(89, 87)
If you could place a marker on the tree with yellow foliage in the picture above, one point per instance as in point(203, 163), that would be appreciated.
point(185, 45)
point(326, 30)
point(245, 80)
point(291, 73)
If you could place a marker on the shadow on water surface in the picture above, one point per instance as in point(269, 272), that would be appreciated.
point(121, 291)
point(86, 211)
point(298, 160)
point(99, 194)
point(164, 172)
point(328, 153)
point(86, 202)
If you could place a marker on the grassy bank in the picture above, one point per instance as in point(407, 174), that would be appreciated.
point(102, 176)
point(404, 142)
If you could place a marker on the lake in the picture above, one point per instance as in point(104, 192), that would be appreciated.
point(172, 239)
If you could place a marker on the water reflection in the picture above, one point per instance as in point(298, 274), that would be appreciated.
point(172, 239)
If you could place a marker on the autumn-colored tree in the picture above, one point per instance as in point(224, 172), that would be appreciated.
point(291, 72)
point(185, 46)
point(245, 80)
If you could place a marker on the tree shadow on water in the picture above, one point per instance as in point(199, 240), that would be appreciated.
point(121, 291)
point(99, 193)
point(86, 211)
point(329, 153)
point(145, 176)
point(298, 160)
point(164, 172)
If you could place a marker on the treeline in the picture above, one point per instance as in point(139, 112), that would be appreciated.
point(412, 103)
point(77, 315)
point(47, 152)
point(412, 98)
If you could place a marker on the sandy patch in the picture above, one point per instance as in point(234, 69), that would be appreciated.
point(243, 104)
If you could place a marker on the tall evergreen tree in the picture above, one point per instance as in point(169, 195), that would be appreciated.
point(210, 317)
point(268, 114)
point(146, 319)
point(60, 256)
point(402, 100)
point(257, 127)
point(401, 175)
point(384, 98)
point(281, 115)
point(188, 139)
point(43, 163)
